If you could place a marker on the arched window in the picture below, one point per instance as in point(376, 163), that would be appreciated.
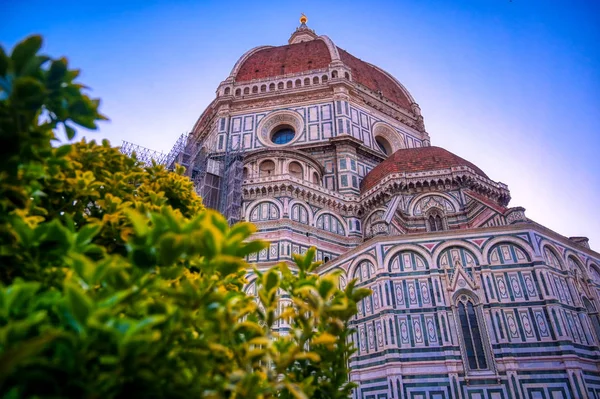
point(272, 87)
point(347, 75)
point(435, 223)
point(289, 84)
point(593, 315)
point(264, 211)
point(330, 223)
point(434, 220)
point(316, 80)
point(452, 257)
point(280, 86)
point(595, 274)
point(263, 88)
point(299, 213)
point(238, 92)
point(552, 259)
point(245, 173)
point(246, 90)
point(316, 179)
point(298, 83)
point(307, 82)
point(506, 253)
point(254, 89)
point(576, 268)
point(334, 74)
point(383, 145)
point(471, 335)
point(295, 170)
point(267, 168)
point(324, 78)
point(227, 91)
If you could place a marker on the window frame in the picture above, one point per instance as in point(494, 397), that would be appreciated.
point(465, 298)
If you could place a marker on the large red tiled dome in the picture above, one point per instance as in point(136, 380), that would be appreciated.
point(267, 62)
point(282, 60)
point(412, 160)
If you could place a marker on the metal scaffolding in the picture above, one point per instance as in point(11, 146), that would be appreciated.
point(217, 176)
point(143, 154)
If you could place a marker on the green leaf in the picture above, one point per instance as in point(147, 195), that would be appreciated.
point(251, 247)
point(147, 323)
point(24, 51)
point(70, 132)
point(4, 62)
point(57, 72)
point(86, 234)
point(78, 303)
point(295, 390)
point(18, 294)
point(10, 359)
point(271, 280)
point(171, 248)
point(118, 298)
point(139, 221)
point(28, 93)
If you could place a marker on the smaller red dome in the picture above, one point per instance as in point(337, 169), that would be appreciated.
point(411, 160)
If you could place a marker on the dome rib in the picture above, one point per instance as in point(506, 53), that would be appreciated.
point(374, 79)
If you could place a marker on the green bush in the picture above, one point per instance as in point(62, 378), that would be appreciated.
point(116, 282)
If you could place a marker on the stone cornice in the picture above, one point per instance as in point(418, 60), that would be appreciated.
point(397, 183)
point(461, 176)
point(286, 184)
point(335, 240)
point(446, 235)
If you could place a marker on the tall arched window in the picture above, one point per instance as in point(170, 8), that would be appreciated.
point(299, 213)
point(471, 335)
point(435, 220)
point(435, 223)
point(330, 223)
point(316, 179)
point(264, 211)
point(552, 258)
point(593, 315)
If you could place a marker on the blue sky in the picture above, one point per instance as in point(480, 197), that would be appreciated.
point(512, 86)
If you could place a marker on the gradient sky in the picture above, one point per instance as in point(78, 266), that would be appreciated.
point(512, 86)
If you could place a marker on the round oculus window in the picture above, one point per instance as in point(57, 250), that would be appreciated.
point(283, 135)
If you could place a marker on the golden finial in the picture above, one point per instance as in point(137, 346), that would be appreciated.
point(303, 18)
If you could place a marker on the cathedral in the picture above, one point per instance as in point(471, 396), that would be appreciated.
point(471, 299)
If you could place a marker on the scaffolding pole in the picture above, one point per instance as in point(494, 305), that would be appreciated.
point(230, 202)
point(217, 176)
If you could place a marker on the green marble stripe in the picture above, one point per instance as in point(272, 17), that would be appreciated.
point(534, 324)
point(545, 344)
point(542, 354)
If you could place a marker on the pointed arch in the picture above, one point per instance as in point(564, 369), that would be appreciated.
point(457, 243)
point(398, 250)
point(356, 262)
point(552, 257)
point(518, 242)
point(309, 211)
point(416, 200)
point(259, 201)
point(472, 332)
